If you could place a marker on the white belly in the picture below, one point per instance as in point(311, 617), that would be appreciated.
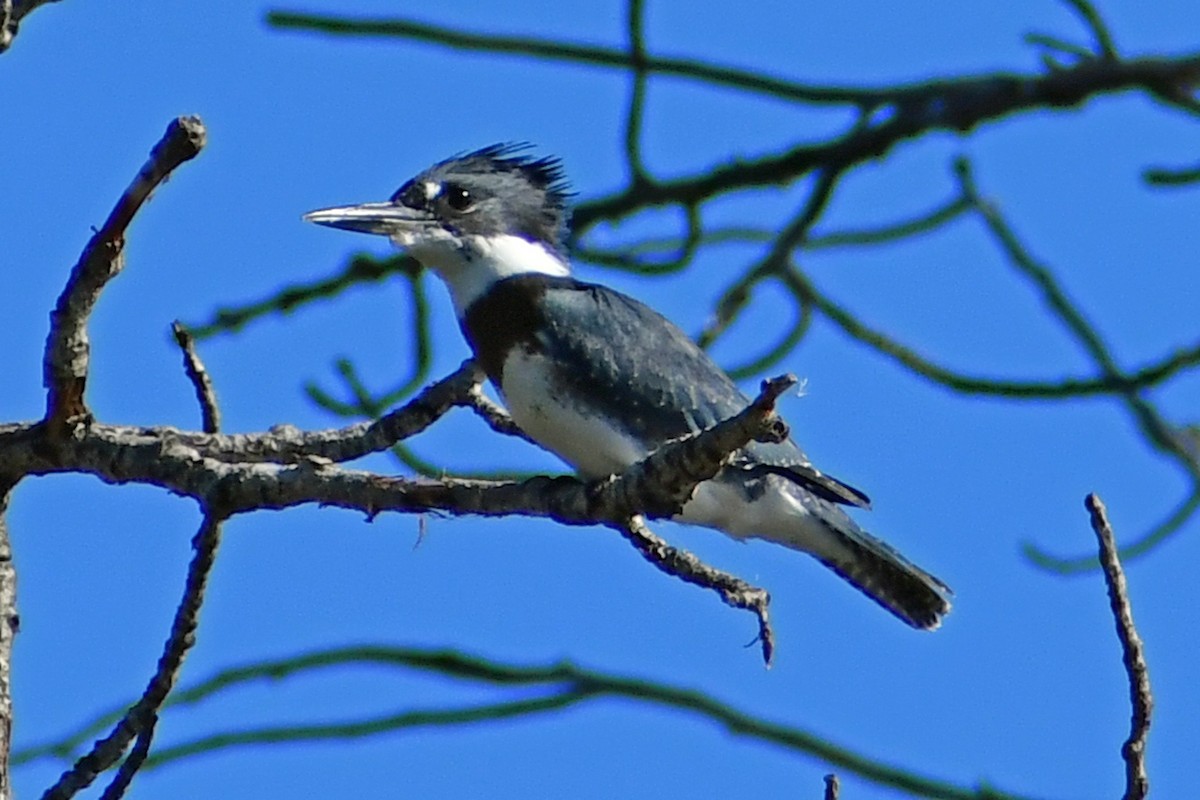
point(560, 424)
point(567, 428)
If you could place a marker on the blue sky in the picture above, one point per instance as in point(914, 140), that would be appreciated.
point(1022, 688)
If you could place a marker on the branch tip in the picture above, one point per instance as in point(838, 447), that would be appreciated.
point(196, 372)
point(68, 350)
point(1133, 752)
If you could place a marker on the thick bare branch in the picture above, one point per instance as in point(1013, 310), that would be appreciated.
point(657, 486)
point(67, 348)
point(958, 104)
point(1137, 783)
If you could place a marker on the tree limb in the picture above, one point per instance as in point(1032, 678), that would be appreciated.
point(65, 366)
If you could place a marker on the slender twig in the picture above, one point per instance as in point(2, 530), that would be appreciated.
point(635, 21)
point(704, 71)
point(361, 268)
point(367, 403)
point(288, 445)
point(566, 684)
point(206, 395)
point(67, 347)
point(133, 763)
point(1039, 275)
point(633, 257)
point(1064, 389)
point(1157, 431)
point(142, 716)
point(1059, 46)
point(685, 566)
point(494, 414)
point(775, 262)
point(891, 232)
point(681, 250)
point(1177, 176)
point(786, 343)
point(1068, 87)
point(1105, 48)
point(1137, 783)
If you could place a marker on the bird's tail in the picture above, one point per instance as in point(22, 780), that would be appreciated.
point(801, 520)
point(888, 578)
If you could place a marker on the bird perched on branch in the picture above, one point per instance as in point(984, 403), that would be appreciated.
point(601, 379)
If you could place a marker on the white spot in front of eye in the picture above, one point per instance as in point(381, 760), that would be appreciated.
point(432, 190)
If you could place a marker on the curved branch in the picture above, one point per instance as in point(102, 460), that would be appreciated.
point(361, 268)
point(66, 361)
point(566, 684)
point(570, 52)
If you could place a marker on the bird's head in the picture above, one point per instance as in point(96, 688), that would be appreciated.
point(473, 218)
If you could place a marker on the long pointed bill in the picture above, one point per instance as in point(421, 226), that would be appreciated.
point(384, 219)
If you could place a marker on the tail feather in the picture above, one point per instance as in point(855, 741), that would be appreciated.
point(779, 510)
point(885, 576)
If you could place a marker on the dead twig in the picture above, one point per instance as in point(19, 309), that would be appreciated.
point(1137, 783)
point(65, 365)
point(206, 395)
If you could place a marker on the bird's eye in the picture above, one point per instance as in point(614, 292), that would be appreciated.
point(458, 198)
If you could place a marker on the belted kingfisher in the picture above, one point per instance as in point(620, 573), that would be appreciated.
point(601, 379)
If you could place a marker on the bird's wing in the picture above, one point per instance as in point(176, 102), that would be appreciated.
point(633, 365)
